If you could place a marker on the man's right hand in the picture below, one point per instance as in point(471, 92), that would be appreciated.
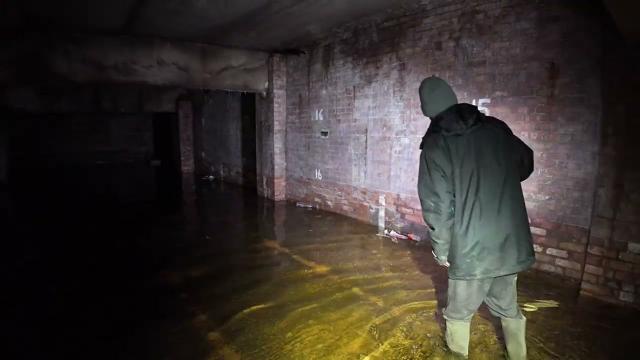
point(440, 261)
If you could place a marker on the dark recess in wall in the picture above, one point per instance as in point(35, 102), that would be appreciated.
point(613, 253)
point(225, 136)
point(93, 163)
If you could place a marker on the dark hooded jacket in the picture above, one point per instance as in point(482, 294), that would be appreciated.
point(471, 167)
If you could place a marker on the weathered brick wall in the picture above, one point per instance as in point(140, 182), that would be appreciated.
point(85, 139)
point(354, 123)
point(613, 259)
point(91, 159)
point(91, 139)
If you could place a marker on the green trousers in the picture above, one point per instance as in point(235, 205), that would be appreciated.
point(464, 297)
point(500, 295)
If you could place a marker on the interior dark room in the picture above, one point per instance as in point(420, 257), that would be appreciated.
point(334, 179)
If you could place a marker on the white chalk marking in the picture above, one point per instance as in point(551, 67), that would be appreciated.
point(318, 115)
point(480, 104)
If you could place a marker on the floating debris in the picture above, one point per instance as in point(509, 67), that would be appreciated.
point(304, 205)
point(394, 236)
point(540, 304)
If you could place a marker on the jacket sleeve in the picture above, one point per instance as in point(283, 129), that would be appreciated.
point(435, 189)
point(525, 159)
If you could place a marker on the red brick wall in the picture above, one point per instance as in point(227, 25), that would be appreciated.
point(537, 62)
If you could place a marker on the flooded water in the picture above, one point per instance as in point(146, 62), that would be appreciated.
point(234, 277)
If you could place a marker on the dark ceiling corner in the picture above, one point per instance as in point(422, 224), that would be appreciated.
point(625, 14)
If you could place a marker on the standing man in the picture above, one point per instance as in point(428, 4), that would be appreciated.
point(471, 167)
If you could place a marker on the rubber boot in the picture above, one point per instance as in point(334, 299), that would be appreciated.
point(514, 338)
point(457, 336)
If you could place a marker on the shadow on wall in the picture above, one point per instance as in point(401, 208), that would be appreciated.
point(613, 254)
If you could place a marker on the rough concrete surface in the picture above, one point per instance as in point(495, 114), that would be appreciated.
point(252, 24)
point(91, 59)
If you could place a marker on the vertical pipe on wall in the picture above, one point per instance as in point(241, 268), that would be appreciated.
point(185, 123)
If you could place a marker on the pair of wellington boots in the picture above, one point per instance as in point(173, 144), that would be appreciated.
point(457, 337)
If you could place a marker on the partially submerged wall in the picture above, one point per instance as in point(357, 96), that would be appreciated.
point(96, 140)
point(354, 123)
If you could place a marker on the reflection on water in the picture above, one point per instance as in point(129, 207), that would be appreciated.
point(307, 284)
point(236, 277)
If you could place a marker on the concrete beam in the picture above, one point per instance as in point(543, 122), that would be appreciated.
point(85, 59)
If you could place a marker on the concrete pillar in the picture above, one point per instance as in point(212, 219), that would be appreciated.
point(4, 172)
point(4, 151)
point(271, 132)
point(185, 126)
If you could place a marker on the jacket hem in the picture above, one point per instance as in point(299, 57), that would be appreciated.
point(508, 271)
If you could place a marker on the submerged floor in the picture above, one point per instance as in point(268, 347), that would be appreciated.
point(234, 277)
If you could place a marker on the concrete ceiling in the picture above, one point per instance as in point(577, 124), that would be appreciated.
point(251, 24)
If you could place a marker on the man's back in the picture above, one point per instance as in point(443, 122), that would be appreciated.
point(479, 163)
point(471, 167)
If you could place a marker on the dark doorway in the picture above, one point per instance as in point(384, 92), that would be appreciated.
point(248, 106)
point(166, 151)
point(92, 164)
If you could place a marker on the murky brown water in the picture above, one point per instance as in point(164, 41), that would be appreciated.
point(306, 284)
point(235, 277)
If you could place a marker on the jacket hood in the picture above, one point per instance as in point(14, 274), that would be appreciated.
point(456, 120)
point(435, 96)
